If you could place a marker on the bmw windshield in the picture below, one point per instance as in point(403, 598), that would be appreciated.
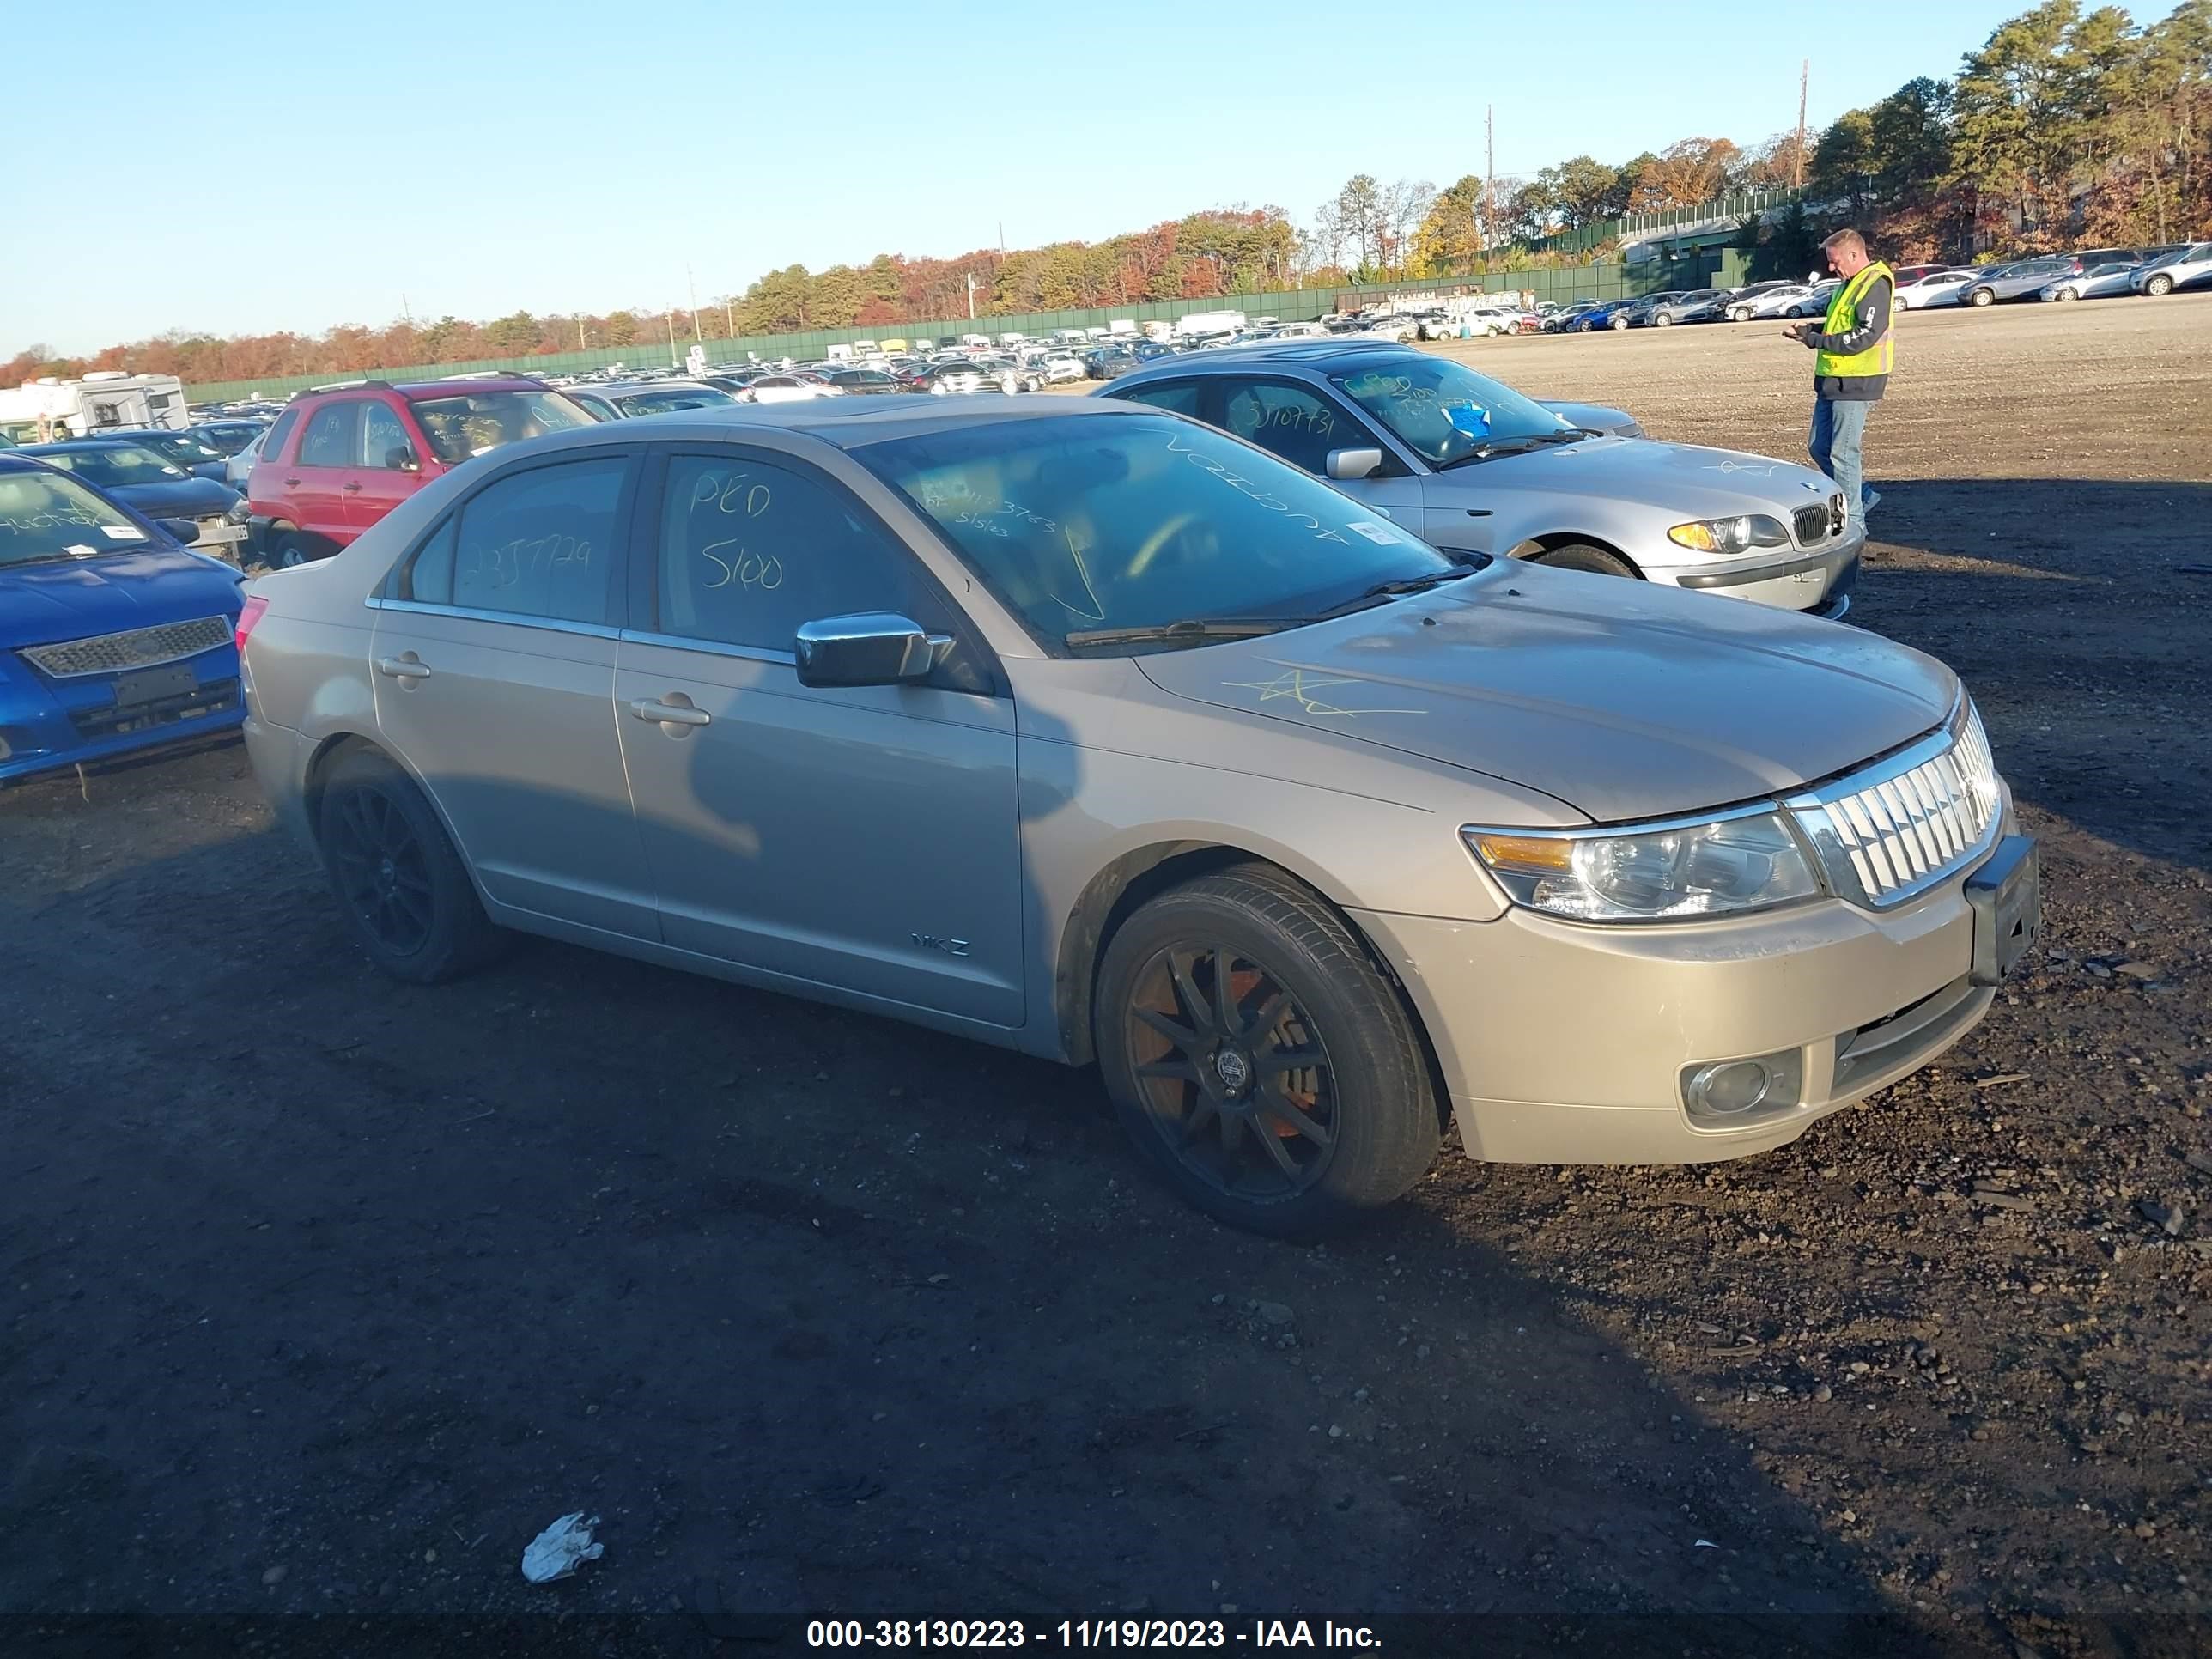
point(43, 516)
point(1446, 413)
point(1098, 524)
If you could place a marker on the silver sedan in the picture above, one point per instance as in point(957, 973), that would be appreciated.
point(1466, 461)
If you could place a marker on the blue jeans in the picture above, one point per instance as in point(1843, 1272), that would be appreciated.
point(1839, 429)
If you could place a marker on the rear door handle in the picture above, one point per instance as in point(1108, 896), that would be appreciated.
point(291, 484)
point(669, 714)
point(351, 489)
point(403, 668)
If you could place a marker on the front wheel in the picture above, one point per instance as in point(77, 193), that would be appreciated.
point(1259, 1058)
point(1983, 296)
point(1662, 321)
point(1739, 314)
point(2159, 285)
point(1582, 556)
point(292, 551)
point(2065, 293)
point(1619, 323)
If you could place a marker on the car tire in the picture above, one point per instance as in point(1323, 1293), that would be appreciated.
point(2066, 294)
point(2158, 286)
point(291, 550)
point(1983, 296)
point(1583, 555)
point(1739, 314)
point(1661, 320)
point(1340, 1136)
point(404, 890)
point(1617, 323)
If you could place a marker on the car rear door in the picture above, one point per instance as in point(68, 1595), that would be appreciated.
point(864, 838)
point(327, 461)
point(493, 660)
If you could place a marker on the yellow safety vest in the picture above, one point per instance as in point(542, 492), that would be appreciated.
point(1843, 317)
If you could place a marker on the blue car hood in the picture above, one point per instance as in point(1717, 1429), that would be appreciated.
point(71, 599)
point(181, 498)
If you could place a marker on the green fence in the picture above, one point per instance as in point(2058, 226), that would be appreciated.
point(1610, 280)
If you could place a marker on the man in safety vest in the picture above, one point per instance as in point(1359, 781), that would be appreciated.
point(1854, 349)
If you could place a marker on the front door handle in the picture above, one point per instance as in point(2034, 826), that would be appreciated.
point(669, 714)
point(403, 668)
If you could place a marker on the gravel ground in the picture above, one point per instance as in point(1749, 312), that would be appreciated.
point(323, 1294)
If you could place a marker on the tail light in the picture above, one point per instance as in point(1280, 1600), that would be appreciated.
point(254, 607)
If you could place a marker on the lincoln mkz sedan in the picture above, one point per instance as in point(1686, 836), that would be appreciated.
point(1096, 732)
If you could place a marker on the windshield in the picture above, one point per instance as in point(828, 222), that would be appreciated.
point(45, 517)
point(661, 402)
point(1444, 412)
point(1096, 521)
point(115, 465)
point(227, 440)
point(471, 423)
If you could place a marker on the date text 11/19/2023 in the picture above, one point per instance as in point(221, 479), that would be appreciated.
point(1086, 1633)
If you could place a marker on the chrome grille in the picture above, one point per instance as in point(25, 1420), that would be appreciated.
point(1898, 827)
point(139, 647)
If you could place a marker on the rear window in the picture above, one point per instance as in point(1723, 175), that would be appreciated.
point(43, 516)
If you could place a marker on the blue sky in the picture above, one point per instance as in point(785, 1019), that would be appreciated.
point(250, 165)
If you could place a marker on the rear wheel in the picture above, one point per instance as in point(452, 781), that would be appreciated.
point(1582, 556)
point(1258, 1058)
point(402, 885)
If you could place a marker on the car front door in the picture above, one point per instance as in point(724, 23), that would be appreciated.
point(862, 838)
point(326, 463)
point(387, 469)
point(493, 655)
point(1304, 425)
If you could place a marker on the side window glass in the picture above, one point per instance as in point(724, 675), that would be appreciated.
point(541, 542)
point(329, 439)
point(280, 434)
point(750, 549)
point(382, 437)
point(429, 573)
point(1287, 421)
point(1177, 397)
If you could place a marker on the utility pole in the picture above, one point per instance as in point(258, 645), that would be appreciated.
point(582, 345)
point(1489, 179)
point(729, 317)
point(1804, 80)
point(972, 286)
point(672, 336)
point(696, 333)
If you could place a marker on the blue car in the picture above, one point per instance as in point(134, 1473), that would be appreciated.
point(1602, 316)
point(188, 450)
point(145, 481)
point(114, 637)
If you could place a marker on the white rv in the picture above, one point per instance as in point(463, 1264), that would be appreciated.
point(1209, 322)
point(50, 408)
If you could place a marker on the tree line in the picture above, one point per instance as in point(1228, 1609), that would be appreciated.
point(2065, 126)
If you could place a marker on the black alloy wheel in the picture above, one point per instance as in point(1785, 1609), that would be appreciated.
point(1237, 1080)
point(381, 869)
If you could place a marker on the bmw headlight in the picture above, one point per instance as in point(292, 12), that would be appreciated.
point(1663, 873)
point(1737, 535)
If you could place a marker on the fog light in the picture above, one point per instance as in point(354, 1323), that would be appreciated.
point(1728, 1093)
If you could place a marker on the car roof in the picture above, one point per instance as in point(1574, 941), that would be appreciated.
point(75, 445)
point(1303, 351)
point(845, 423)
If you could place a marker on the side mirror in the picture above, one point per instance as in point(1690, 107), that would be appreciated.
point(400, 458)
point(876, 648)
point(184, 530)
point(1344, 465)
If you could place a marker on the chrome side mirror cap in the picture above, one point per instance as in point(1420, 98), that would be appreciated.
point(875, 647)
point(1345, 465)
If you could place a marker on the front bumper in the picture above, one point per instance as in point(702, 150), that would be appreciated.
point(1790, 579)
point(1562, 1043)
point(46, 723)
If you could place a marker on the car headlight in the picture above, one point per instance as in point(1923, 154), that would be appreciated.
point(1737, 535)
point(239, 512)
point(1663, 873)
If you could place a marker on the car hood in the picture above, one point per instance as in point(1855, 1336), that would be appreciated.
point(1684, 481)
point(177, 498)
point(72, 598)
point(1625, 700)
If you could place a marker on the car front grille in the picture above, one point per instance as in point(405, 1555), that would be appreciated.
point(1897, 827)
point(1815, 524)
point(137, 647)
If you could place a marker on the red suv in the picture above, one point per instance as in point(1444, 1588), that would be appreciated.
point(341, 456)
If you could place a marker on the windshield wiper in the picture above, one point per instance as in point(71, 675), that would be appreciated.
point(1520, 445)
point(1391, 590)
point(1191, 630)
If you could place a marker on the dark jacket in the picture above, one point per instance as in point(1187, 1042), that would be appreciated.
point(1871, 324)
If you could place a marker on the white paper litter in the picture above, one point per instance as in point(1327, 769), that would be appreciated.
point(555, 1552)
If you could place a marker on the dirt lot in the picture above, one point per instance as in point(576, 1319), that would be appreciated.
point(324, 1295)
